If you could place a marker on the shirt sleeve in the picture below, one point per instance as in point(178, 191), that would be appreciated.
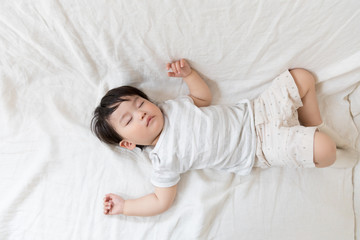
point(164, 178)
point(185, 98)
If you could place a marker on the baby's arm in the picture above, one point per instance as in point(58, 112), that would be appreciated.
point(199, 90)
point(149, 205)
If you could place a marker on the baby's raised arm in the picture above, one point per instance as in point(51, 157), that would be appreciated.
point(199, 90)
point(149, 205)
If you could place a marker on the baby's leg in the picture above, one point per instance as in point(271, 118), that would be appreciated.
point(324, 150)
point(309, 113)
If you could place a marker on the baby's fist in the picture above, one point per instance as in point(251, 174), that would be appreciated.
point(179, 68)
point(113, 204)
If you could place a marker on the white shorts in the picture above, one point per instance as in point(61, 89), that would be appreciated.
point(281, 141)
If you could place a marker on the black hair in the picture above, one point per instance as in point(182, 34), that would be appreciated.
point(109, 103)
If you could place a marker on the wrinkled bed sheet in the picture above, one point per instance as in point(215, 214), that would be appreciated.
point(59, 57)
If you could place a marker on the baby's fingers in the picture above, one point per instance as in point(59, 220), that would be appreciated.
point(178, 68)
point(168, 66)
point(107, 197)
point(173, 67)
point(106, 211)
point(171, 74)
point(107, 207)
point(182, 62)
point(110, 196)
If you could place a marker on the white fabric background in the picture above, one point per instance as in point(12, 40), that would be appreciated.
point(59, 57)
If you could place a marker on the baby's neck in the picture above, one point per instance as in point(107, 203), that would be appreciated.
point(156, 139)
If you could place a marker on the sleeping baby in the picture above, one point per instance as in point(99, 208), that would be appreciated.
point(280, 128)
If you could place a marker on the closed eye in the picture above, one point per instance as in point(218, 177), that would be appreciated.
point(141, 104)
point(129, 121)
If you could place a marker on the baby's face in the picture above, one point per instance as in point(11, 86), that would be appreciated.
point(137, 121)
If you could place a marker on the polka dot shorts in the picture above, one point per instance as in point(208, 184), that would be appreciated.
point(281, 141)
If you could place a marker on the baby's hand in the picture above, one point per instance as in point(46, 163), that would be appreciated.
point(113, 204)
point(179, 69)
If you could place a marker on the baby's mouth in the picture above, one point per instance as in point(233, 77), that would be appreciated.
point(148, 121)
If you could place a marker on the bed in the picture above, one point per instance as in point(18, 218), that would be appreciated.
point(57, 60)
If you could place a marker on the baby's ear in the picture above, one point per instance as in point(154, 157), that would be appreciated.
point(127, 144)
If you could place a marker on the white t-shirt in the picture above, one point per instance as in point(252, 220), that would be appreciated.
point(218, 137)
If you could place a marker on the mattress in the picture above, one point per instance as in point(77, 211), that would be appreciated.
point(58, 58)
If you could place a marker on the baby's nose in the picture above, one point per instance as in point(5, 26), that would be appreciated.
point(142, 115)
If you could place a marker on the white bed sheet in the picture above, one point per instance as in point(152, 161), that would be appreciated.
point(59, 57)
